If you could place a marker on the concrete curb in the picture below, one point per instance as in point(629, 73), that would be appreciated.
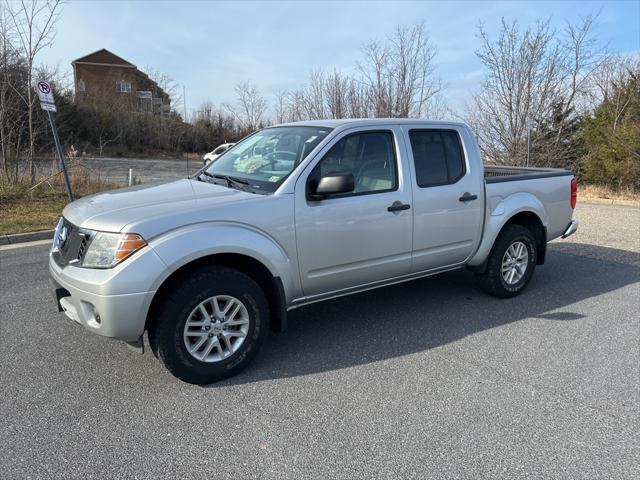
point(25, 237)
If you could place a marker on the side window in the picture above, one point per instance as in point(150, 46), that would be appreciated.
point(437, 156)
point(123, 86)
point(368, 156)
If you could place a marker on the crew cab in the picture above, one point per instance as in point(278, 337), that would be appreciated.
point(295, 214)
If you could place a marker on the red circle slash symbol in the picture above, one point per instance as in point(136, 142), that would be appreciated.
point(44, 87)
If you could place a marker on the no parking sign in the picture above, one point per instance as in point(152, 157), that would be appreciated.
point(45, 94)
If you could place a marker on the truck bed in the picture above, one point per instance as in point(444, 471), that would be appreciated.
point(499, 174)
point(549, 188)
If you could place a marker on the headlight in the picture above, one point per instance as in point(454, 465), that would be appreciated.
point(106, 250)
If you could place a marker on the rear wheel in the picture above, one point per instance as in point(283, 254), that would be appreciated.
point(511, 262)
point(210, 325)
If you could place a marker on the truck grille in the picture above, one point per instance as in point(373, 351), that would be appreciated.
point(73, 246)
point(83, 247)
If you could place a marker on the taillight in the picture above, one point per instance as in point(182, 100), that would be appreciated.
point(574, 193)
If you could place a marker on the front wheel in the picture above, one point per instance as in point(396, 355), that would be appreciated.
point(210, 325)
point(511, 262)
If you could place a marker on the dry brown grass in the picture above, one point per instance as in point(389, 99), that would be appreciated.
point(598, 194)
point(27, 209)
point(29, 215)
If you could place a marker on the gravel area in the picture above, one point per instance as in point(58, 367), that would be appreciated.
point(614, 227)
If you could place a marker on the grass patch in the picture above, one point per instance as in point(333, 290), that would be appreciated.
point(28, 210)
point(31, 214)
point(608, 195)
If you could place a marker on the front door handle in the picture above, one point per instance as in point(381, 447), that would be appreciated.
point(467, 197)
point(398, 206)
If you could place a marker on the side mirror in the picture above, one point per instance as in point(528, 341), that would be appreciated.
point(332, 184)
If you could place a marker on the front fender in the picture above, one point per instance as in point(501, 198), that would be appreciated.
point(499, 211)
point(184, 245)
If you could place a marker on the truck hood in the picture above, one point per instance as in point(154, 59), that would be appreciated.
point(112, 211)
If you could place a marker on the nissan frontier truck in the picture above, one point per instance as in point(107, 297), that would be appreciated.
point(295, 214)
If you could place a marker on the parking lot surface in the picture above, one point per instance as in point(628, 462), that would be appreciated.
point(145, 170)
point(428, 379)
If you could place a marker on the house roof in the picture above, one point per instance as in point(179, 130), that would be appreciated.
point(104, 57)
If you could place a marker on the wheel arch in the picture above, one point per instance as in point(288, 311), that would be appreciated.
point(528, 218)
point(531, 222)
point(272, 285)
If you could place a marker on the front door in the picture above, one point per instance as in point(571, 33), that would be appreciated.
point(355, 239)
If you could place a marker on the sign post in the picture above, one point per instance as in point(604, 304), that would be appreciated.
point(47, 103)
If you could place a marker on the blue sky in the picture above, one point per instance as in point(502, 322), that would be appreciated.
point(211, 46)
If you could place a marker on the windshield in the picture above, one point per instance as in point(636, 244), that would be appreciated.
point(267, 157)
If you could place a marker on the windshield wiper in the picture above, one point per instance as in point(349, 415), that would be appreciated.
point(232, 182)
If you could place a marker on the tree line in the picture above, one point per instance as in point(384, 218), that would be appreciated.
point(548, 97)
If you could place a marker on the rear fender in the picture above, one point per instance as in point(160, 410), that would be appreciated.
point(499, 212)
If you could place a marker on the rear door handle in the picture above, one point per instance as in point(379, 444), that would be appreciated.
point(398, 206)
point(467, 197)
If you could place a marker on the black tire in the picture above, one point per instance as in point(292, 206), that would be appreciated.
point(492, 281)
point(166, 330)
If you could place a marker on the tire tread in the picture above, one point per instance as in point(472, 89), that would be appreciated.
point(162, 330)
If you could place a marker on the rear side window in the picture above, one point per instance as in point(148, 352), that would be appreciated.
point(437, 155)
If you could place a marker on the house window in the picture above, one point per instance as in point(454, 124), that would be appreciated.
point(123, 86)
point(81, 86)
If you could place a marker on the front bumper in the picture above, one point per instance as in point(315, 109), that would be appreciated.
point(571, 228)
point(100, 301)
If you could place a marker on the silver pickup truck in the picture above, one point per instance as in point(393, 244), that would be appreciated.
point(295, 214)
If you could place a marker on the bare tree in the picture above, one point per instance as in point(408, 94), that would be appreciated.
point(295, 105)
point(399, 74)
point(250, 106)
point(34, 26)
point(314, 98)
point(358, 100)
point(332, 95)
point(607, 82)
point(336, 93)
point(7, 62)
point(166, 83)
point(214, 125)
point(396, 79)
point(280, 106)
point(535, 85)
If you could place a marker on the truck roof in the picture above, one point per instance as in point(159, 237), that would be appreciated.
point(365, 122)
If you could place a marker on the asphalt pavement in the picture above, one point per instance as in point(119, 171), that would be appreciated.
point(429, 379)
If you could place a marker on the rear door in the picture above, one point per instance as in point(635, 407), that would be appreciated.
point(355, 239)
point(448, 197)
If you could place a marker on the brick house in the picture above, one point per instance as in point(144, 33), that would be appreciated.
point(104, 79)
